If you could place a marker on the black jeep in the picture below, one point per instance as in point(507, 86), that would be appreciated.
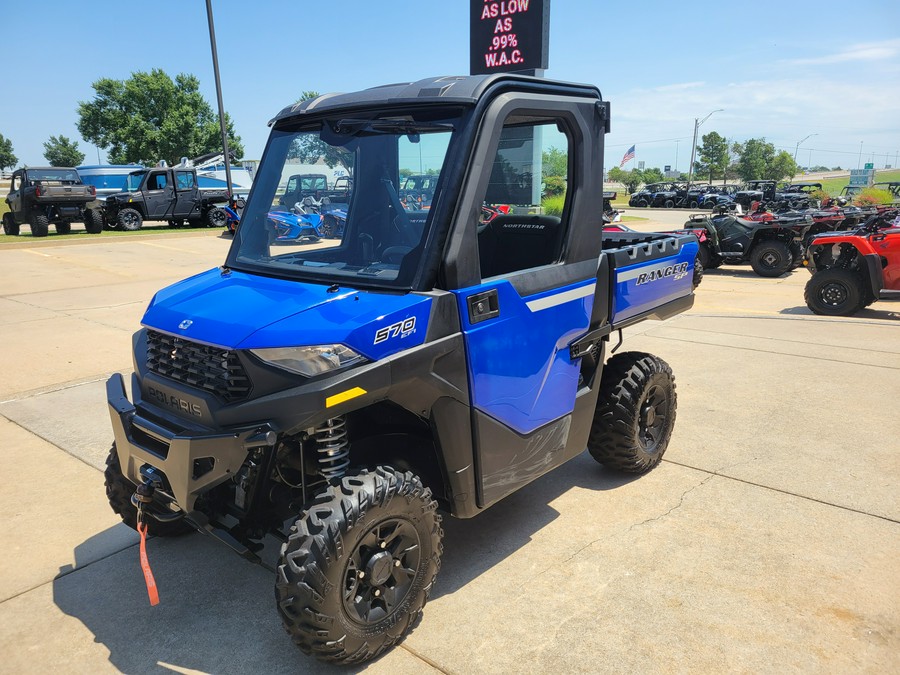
point(165, 193)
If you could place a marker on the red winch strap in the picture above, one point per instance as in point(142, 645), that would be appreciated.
point(145, 566)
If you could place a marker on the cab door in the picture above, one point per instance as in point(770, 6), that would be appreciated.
point(534, 291)
point(159, 195)
point(185, 194)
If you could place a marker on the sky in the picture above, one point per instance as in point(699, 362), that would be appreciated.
point(824, 74)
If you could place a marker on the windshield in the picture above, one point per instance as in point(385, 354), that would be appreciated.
point(371, 235)
point(133, 183)
point(68, 175)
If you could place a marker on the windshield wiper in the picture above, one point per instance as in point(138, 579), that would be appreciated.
point(356, 127)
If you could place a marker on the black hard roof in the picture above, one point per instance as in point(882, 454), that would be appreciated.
point(465, 90)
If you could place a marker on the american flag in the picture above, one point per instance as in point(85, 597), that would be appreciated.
point(628, 156)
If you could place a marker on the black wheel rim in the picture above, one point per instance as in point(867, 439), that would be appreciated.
point(834, 294)
point(218, 218)
point(128, 219)
point(381, 570)
point(653, 416)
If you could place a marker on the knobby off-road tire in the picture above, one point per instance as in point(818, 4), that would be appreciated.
point(119, 490)
point(635, 413)
point(771, 258)
point(40, 226)
point(835, 292)
point(63, 227)
point(216, 217)
point(359, 565)
point(10, 226)
point(93, 221)
point(698, 271)
point(129, 219)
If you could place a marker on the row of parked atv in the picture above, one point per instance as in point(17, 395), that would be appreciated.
point(671, 195)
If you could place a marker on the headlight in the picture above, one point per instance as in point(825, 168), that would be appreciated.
point(310, 361)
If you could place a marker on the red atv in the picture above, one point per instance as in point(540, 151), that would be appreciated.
point(851, 270)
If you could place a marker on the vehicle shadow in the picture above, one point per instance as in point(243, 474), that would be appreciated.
point(217, 612)
point(737, 273)
point(872, 312)
point(474, 546)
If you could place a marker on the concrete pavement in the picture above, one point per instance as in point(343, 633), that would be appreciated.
point(766, 541)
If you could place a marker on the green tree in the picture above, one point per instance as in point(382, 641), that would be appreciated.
point(311, 150)
point(712, 157)
point(630, 179)
point(60, 151)
point(754, 157)
point(781, 166)
point(150, 117)
point(554, 162)
point(652, 175)
point(8, 159)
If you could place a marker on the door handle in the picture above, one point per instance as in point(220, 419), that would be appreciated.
point(483, 306)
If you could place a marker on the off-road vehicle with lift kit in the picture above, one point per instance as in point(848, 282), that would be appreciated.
point(39, 196)
point(851, 270)
point(335, 396)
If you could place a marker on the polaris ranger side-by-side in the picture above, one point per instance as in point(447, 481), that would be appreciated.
point(336, 395)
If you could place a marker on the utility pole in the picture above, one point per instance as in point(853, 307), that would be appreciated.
point(859, 161)
point(697, 123)
point(215, 59)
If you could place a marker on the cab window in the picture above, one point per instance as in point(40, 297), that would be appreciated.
point(525, 206)
point(184, 180)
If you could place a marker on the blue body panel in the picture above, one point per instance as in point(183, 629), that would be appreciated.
point(245, 311)
point(520, 371)
point(645, 286)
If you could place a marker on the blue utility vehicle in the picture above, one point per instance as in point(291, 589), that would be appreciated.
point(336, 396)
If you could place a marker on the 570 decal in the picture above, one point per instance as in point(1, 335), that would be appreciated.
point(399, 329)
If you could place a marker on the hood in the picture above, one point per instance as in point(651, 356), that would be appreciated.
point(236, 310)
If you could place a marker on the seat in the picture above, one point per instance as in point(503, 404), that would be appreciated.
point(517, 242)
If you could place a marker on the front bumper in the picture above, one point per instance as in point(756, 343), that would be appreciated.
point(191, 461)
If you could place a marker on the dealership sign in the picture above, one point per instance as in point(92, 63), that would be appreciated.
point(508, 36)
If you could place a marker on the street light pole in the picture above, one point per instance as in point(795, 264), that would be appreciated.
point(697, 123)
point(859, 161)
point(215, 59)
point(797, 147)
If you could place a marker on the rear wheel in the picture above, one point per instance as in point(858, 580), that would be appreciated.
point(10, 226)
point(642, 203)
point(694, 204)
point(130, 219)
point(359, 565)
point(635, 414)
point(39, 225)
point(93, 221)
point(834, 292)
point(771, 258)
point(669, 204)
point(119, 491)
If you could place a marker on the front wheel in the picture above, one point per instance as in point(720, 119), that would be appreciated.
point(771, 258)
point(834, 292)
point(216, 217)
point(359, 565)
point(698, 271)
point(669, 204)
point(635, 413)
point(130, 219)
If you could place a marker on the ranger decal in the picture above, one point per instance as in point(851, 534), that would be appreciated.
point(675, 271)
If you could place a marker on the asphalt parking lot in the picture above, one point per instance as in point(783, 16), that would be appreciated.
point(766, 541)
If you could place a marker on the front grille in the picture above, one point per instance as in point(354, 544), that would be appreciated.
point(215, 370)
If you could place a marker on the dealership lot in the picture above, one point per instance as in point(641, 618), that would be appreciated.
point(766, 541)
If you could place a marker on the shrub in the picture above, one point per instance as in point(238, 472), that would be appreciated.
point(554, 185)
point(873, 197)
point(553, 206)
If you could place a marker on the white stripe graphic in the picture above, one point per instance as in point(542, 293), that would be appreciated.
point(561, 298)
